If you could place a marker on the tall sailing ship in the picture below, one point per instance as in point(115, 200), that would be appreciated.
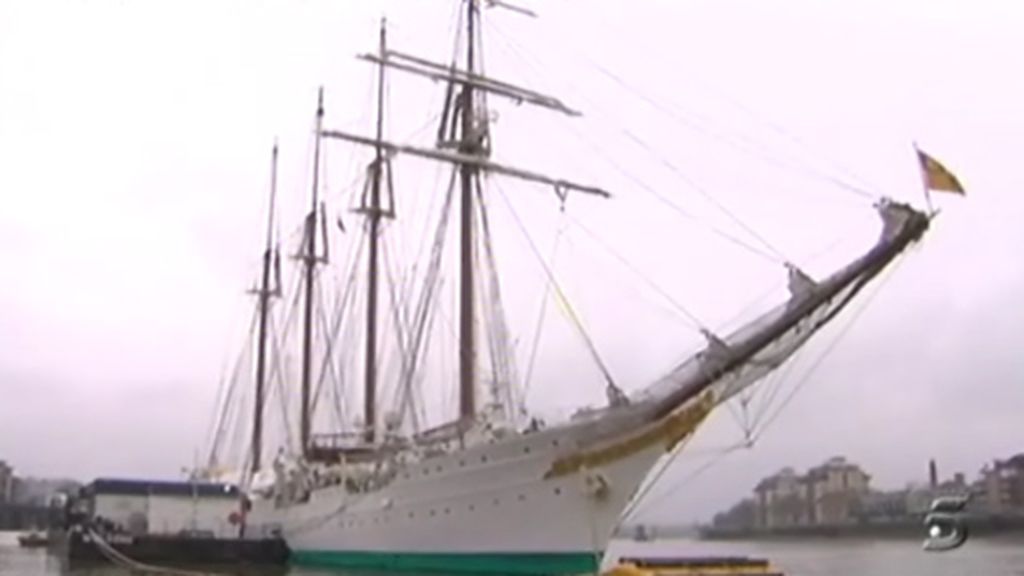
point(491, 490)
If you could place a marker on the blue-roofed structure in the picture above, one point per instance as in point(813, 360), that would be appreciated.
point(134, 487)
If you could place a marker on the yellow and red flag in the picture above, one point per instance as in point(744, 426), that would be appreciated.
point(938, 177)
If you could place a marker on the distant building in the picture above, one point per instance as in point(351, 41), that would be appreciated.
point(834, 491)
point(838, 493)
point(1002, 485)
point(884, 506)
point(828, 494)
point(920, 497)
point(6, 483)
point(40, 491)
point(780, 500)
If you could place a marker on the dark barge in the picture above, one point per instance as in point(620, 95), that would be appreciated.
point(144, 522)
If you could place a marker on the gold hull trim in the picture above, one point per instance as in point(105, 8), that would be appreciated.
point(670, 431)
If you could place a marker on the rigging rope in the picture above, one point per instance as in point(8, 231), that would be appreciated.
point(424, 243)
point(220, 399)
point(841, 184)
point(740, 418)
point(743, 144)
point(543, 310)
point(276, 369)
point(404, 400)
point(671, 204)
point(275, 379)
point(771, 255)
point(854, 316)
point(693, 475)
point(332, 331)
point(653, 480)
point(502, 359)
point(780, 377)
point(707, 196)
point(687, 314)
point(425, 306)
point(574, 319)
point(227, 400)
point(327, 366)
point(774, 127)
point(485, 302)
point(843, 331)
point(238, 440)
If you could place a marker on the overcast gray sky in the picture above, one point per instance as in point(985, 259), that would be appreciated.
point(134, 147)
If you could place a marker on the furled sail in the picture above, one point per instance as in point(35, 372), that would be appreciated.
point(738, 360)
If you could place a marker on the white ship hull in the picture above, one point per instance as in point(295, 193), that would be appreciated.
point(530, 504)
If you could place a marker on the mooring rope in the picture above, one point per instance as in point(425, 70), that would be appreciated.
point(120, 559)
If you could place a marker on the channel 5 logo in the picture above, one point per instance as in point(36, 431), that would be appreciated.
point(945, 525)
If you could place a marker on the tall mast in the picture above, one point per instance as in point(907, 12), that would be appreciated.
point(469, 145)
point(374, 215)
point(264, 310)
point(310, 261)
point(462, 140)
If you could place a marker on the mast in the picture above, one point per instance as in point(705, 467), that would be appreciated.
point(463, 140)
point(468, 172)
point(310, 261)
point(373, 212)
point(264, 296)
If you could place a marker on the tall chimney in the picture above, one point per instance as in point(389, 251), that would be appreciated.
point(933, 474)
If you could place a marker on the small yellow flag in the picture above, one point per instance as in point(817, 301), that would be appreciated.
point(937, 177)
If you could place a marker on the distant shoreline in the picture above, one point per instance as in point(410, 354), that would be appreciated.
point(901, 528)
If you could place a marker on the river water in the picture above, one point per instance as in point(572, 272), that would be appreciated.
point(979, 557)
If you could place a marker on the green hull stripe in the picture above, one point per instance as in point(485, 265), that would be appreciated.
point(523, 563)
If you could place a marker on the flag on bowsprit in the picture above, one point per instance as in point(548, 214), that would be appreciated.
point(938, 177)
